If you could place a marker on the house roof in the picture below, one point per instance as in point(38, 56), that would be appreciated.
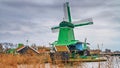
point(34, 50)
point(19, 49)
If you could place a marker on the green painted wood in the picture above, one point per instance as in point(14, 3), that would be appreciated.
point(69, 15)
point(66, 33)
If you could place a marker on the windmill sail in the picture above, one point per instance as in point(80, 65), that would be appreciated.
point(83, 22)
point(55, 29)
point(67, 16)
point(65, 12)
point(85, 45)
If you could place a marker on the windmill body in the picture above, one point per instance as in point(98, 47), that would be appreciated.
point(67, 47)
point(66, 34)
point(66, 30)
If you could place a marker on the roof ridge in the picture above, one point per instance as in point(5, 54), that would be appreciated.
point(34, 49)
point(21, 48)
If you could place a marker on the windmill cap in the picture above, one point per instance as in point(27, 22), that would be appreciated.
point(66, 24)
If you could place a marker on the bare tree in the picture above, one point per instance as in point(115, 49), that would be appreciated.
point(1, 48)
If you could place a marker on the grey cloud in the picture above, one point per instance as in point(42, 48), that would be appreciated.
point(33, 19)
point(29, 10)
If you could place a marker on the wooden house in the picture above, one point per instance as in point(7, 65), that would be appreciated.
point(27, 50)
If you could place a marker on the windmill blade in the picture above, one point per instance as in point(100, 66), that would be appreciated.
point(55, 29)
point(88, 21)
point(85, 44)
point(65, 12)
point(83, 21)
point(86, 41)
point(67, 15)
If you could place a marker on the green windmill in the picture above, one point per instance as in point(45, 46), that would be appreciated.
point(66, 33)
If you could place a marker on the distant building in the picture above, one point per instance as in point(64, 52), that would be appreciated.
point(11, 51)
point(97, 51)
point(116, 51)
point(107, 50)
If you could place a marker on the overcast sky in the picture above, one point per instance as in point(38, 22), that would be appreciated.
point(22, 20)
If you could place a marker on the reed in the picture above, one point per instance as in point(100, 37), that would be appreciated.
point(44, 61)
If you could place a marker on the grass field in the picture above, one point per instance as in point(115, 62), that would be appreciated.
point(12, 61)
point(44, 61)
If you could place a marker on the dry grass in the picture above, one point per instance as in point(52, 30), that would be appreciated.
point(11, 61)
point(38, 61)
